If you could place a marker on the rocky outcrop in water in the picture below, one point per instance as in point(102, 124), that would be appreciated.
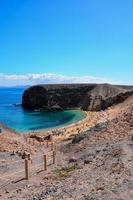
point(93, 97)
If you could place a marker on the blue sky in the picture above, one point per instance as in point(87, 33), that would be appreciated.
point(66, 40)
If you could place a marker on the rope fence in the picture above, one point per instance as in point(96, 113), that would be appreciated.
point(35, 142)
point(29, 166)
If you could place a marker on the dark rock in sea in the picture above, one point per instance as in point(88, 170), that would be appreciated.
point(1, 130)
point(92, 97)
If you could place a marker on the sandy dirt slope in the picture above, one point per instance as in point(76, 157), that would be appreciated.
point(96, 164)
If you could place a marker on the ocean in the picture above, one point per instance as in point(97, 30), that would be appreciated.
point(23, 121)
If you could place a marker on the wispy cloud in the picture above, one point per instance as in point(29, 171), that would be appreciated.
point(31, 79)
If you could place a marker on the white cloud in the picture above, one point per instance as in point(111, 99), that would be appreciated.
point(31, 79)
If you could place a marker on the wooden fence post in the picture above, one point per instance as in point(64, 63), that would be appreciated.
point(26, 170)
point(33, 142)
point(55, 148)
point(52, 146)
point(53, 157)
point(47, 143)
point(45, 162)
point(29, 158)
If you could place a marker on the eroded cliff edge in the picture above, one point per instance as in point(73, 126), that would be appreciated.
point(89, 97)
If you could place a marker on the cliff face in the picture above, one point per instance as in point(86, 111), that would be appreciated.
point(91, 97)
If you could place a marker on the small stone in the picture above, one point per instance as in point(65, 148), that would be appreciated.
point(12, 154)
point(88, 160)
point(6, 191)
point(2, 161)
point(98, 151)
point(35, 198)
point(41, 183)
point(72, 160)
point(18, 190)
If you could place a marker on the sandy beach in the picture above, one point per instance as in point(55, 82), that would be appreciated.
point(11, 141)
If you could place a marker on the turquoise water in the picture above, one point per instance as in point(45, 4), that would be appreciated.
point(23, 121)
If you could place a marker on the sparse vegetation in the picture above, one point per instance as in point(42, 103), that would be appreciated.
point(87, 197)
point(65, 172)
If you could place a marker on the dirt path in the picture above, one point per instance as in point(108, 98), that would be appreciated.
point(127, 157)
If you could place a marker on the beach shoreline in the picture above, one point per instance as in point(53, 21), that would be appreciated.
point(9, 137)
point(4, 126)
point(22, 128)
point(10, 140)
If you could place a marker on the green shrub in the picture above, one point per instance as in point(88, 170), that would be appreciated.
point(65, 171)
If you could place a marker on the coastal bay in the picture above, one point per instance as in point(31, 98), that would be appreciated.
point(66, 100)
point(22, 121)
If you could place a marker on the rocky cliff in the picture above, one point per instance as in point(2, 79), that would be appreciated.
point(93, 97)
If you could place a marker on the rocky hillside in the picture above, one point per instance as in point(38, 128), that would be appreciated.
point(94, 165)
point(93, 97)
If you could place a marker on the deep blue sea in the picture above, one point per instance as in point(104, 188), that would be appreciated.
point(23, 121)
